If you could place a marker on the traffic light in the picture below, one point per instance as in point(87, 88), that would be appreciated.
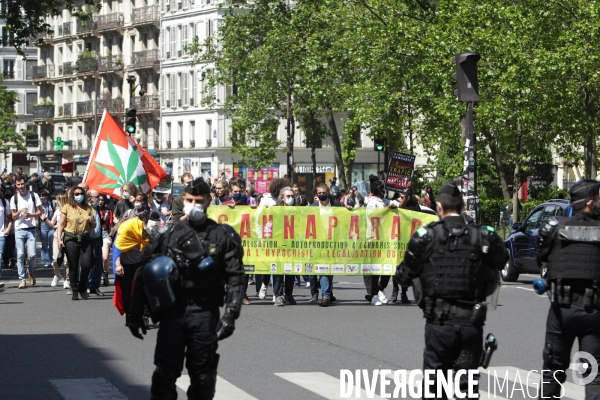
point(131, 121)
point(466, 76)
point(378, 143)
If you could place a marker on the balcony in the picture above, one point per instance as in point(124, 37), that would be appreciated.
point(146, 16)
point(85, 27)
point(111, 64)
point(208, 143)
point(145, 104)
point(43, 113)
point(64, 29)
point(66, 69)
point(42, 39)
point(110, 22)
point(65, 111)
point(192, 144)
point(145, 59)
point(180, 144)
point(10, 74)
point(85, 108)
point(113, 106)
point(42, 72)
point(168, 145)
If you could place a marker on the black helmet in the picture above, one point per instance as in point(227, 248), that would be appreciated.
point(160, 277)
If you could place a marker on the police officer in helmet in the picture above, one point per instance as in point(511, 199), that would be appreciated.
point(570, 250)
point(203, 271)
point(449, 263)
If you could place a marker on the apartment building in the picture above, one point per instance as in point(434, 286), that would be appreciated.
point(82, 70)
point(16, 76)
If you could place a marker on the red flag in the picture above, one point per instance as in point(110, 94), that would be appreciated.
point(116, 159)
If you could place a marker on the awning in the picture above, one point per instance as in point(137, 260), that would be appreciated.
point(67, 167)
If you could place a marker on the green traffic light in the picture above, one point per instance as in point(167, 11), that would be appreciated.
point(130, 129)
point(379, 147)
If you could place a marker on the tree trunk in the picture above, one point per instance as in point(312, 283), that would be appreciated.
point(517, 182)
point(591, 160)
point(337, 147)
point(313, 156)
point(350, 166)
point(498, 165)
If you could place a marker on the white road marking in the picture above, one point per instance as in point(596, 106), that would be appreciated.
point(224, 389)
point(92, 389)
point(322, 384)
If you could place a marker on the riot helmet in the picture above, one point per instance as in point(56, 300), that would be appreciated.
point(160, 276)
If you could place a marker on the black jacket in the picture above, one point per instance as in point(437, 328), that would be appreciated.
point(332, 203)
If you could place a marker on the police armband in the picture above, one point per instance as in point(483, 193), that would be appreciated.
point(417, 246)
point(234, 300)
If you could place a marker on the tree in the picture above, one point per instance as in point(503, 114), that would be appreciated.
point(10, 140)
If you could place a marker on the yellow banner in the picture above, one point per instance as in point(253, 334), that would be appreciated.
point(321, 240)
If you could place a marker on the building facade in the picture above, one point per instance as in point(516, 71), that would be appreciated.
point(82, 70)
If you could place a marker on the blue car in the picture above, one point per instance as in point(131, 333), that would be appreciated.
point(521, 243)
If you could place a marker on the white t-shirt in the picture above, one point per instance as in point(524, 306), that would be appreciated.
point(160, 208)
point(268, 200)
point(376, 202)
point(4, 213)
point(25, 202)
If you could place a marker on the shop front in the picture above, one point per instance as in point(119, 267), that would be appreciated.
point(304, 177)
point(50, 162)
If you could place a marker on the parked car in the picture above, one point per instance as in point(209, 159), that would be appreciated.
point(60, 183)
point(178, 188)
point(521, 243)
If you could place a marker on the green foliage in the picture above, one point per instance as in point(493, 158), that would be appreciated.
point(10, 140)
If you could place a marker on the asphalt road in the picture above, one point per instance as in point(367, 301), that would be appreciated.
point(47, 340)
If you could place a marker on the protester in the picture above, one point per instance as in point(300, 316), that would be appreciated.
point(48, 184)
point(77, 223)
point(283, 285)
point(25, 207)
point(74, 180)
point(106, 216)
point(128, 192)
point(46, 231)
point(10, 247)
point(58, 255)
point(326, 281)
point(5, 227)
point(94, 280)
point(34, 183)
point(160, 204)
point(221, 193)
point(177, 206)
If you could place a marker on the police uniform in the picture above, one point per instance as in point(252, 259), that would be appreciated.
point(452, 265)
point(207, 270)
point(570, 249)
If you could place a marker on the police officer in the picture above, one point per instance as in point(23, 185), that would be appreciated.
point(449, 263)
point(206, 256)
point(570, 250)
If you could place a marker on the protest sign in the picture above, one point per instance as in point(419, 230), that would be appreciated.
point(321, 240)
point(399, 172)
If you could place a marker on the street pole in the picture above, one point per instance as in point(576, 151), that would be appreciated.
point(378, 169)
point(471, 164)
point(96, 101)
point(289, 139)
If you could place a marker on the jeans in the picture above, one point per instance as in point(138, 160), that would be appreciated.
point(25, 237)
point(2, 243)
point(96, 274)
point(47, 236)
point(510, 224)
point(326, 282)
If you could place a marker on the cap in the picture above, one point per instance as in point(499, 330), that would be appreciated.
point(198, 187)
point(450, 188)
point(584, 189)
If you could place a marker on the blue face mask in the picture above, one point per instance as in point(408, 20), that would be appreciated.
point(237, 196)
point(95, 204)
point(79, 198)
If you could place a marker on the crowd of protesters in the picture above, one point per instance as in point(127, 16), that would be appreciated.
point(80, 228)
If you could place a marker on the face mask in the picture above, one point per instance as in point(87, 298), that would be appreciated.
point(79, 198)
point(237, 196)
point(152, 224)
point(195, 212)
point(289, 201)
point(158, 199)
point(126, 196)
point(95, 204)
point(138, 206)
point(323, 197)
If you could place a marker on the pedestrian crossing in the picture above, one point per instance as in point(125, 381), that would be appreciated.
point(501, 383)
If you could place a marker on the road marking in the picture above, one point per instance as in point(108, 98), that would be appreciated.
point(523, 288)
point(224, 389)
point(320, 383)
point(92, 389)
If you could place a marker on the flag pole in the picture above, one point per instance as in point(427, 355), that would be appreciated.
point(87, 167)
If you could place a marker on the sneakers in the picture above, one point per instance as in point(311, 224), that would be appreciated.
point(66, 285)
point(314, 298)
point(84, 295)
point(22, 285)
point(246, 300)
point(251, 280)
point(75, 295)
point(279, 301)
point(368, 297)
point(376, 301)
point(382, 297)
point(54, 281)
point(31, 279)
point(308, 285)
point(290, 300)
point(263, 292)
point(70, 292)
point(1, 285)
point(325, 302)
point(105, 278)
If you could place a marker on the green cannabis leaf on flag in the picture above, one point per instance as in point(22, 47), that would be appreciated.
point(126, 173)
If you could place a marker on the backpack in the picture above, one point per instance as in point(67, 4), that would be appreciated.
point(32, 194)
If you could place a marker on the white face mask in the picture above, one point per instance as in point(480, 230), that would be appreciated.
point(289, 201)
point(138, 206)
point(195, 212)
point(126, 196)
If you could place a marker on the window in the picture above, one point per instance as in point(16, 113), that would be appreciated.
point(180, 131)
point(549, 211)
point(184, 89)
point(534, 219)
point(9, 69)
point(29, 64)
point(208, 131)
point(168, 136)
point(173, 82)
point(192, 87)
point(173, 38)
point(193, 131)
point(7, 37)
point(30, 101)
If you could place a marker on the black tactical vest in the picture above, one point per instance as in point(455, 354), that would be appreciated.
point(454, 271)
point(576, 253)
